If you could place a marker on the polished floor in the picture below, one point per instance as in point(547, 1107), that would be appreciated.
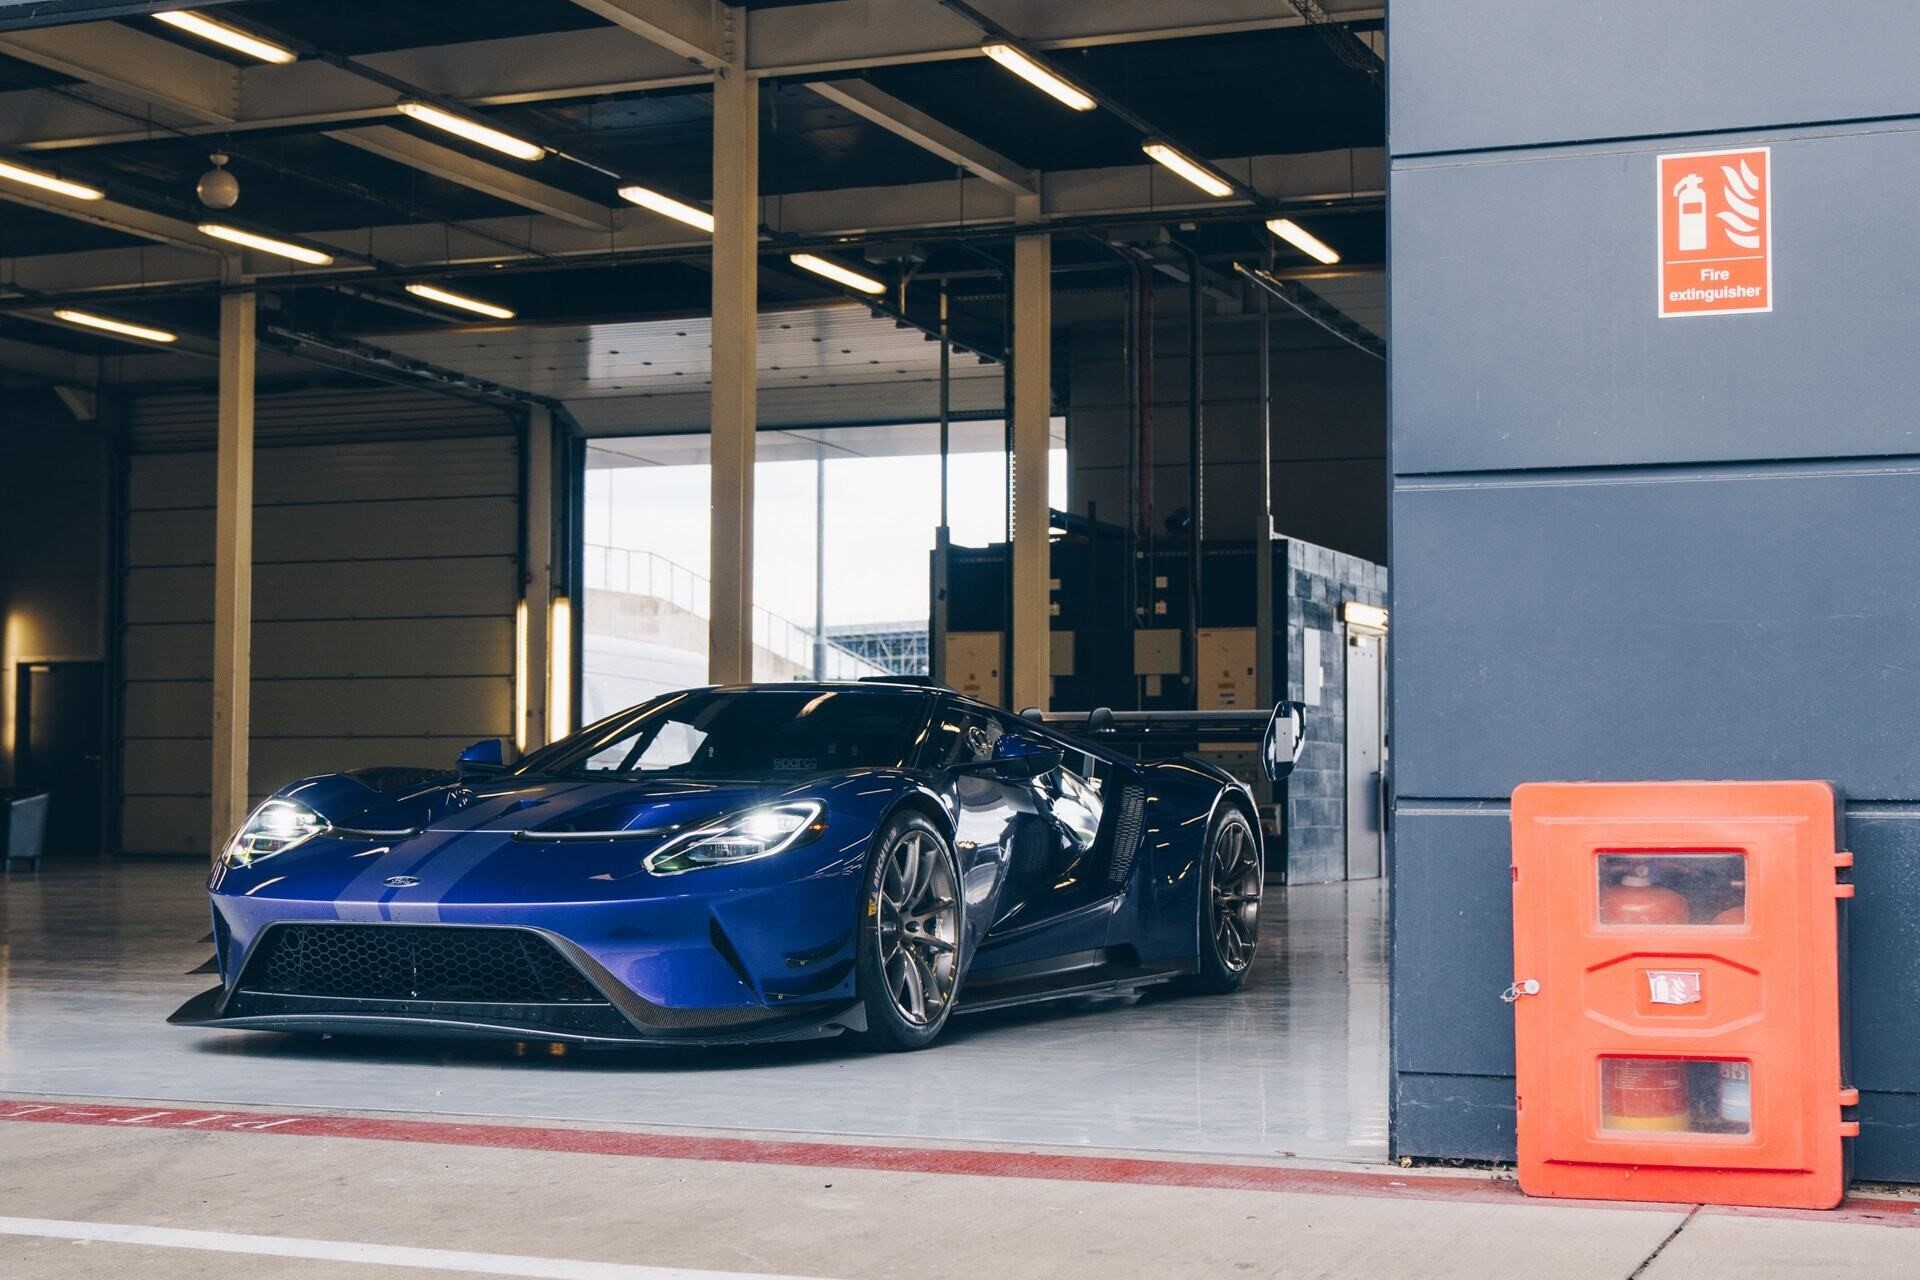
point(94, 955)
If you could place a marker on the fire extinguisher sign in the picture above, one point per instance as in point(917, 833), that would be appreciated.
point(1716, 232)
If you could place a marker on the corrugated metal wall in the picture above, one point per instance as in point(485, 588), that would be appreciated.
point(385, 584)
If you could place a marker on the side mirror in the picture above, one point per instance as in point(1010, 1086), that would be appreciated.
point(1286, 735)
point(484, 756)
point(1017, 758)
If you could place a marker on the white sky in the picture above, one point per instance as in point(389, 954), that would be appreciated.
point(880, 518)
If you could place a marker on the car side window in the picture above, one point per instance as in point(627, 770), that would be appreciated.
point(962, 735)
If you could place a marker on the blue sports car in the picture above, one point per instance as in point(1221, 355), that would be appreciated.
point(762, 862)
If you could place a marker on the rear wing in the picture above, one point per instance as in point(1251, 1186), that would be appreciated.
point(1280, 732)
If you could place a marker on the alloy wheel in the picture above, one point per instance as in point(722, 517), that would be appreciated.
point(1236, 895)
point(918, 918)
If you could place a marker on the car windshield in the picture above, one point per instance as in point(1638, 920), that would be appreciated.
point(743, 733)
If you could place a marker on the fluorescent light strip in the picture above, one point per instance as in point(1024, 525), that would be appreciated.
point(1303, 240)
point(1038, 76)
point(47, 182)
point(434, 293)
point(265, 244)
point(220, 33)
point(678, 210)
point(472, 130)
point(107, 324)
point(836, 273)
point(1192, 170)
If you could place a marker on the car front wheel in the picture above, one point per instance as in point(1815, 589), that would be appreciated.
point(910, 922)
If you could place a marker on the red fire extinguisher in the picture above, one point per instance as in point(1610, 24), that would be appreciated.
point(1635, 899)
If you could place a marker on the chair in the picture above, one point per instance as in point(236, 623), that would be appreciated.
point(27, 830)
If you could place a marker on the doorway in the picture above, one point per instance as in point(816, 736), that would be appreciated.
point(59, 748)
point(1366, 744)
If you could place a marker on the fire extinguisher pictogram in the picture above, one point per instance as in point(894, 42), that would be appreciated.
point(1691, 195)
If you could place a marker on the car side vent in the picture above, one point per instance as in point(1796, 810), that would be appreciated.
point(1126, 831)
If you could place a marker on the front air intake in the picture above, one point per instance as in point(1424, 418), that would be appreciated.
point(414, 963)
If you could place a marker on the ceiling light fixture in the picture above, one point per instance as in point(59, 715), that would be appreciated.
point(433, 293)
point(472, 130)
point(1038, 76)
point(199, 24)
point(678, 210)
point(836, 273)
point(1303, 240)
point(1189, 168)
point(107, 324)
point(265, 244)
point(47, 182)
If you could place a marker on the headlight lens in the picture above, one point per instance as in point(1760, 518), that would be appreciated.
point(275, 827)
point(757, 833)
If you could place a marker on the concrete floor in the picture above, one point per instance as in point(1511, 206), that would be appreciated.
point(93, 956)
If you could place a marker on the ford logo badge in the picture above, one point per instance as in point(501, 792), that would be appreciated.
point(401, 882)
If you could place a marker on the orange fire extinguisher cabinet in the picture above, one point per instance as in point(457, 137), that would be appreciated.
point(1678, 997)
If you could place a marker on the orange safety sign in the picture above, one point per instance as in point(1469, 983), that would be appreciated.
point(1716, 232)
point(1677, 995)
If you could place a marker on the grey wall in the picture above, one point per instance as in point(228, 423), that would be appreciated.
point(1627, 547)
point(53, 542)
point(1318, 582)
point(385, 582)
point(1329, 414)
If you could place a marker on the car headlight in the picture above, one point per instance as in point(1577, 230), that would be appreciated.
point(742, 837)
point(275, 827)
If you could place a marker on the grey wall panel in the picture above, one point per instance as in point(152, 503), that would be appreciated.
point(383, 647)
point(385, 583)
point(1462, 1117)
point(1545, 349)
point(1885, 1152)
point(1884, 919)
point(467, 708)
point(1475, 74)
point(1451, 874)
point(164, 824)
point(1715, 624)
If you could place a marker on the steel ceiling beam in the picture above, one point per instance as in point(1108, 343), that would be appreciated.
point(698, 30)
point(877, 106)
point(1072, 198)
point(134, 65)
point(464, 169)
point(115, 216)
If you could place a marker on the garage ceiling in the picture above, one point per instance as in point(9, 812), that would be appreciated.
point(106, 95)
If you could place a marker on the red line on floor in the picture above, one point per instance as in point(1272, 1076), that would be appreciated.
point(886, 1159)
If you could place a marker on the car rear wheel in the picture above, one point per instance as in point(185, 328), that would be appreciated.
point(1230, 903)
point(910, 935)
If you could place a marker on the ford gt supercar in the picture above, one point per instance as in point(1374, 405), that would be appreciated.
point(762, 862)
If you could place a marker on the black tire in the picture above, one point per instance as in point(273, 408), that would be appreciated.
point(1229, 902)
point(909, 936)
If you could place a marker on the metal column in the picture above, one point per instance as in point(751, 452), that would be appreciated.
point(233, 569)
point(1032, 414)
point(736, 214)
point(533, 624)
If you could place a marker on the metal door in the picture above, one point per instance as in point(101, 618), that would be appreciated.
point(1364, 743)
point(58, 734)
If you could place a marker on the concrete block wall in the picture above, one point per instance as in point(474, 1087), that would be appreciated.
point(1628, 547)
point(1318, 581)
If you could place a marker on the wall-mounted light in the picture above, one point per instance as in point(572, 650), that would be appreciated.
point(678, 210)
point(1364, 617)
point(520, 691)
point(559, 668)
point(266, 244)
point(472, 130)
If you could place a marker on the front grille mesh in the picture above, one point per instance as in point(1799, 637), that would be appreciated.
point(415, 962)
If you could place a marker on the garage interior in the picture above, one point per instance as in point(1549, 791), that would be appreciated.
point(436, 496)
point(382, 378)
